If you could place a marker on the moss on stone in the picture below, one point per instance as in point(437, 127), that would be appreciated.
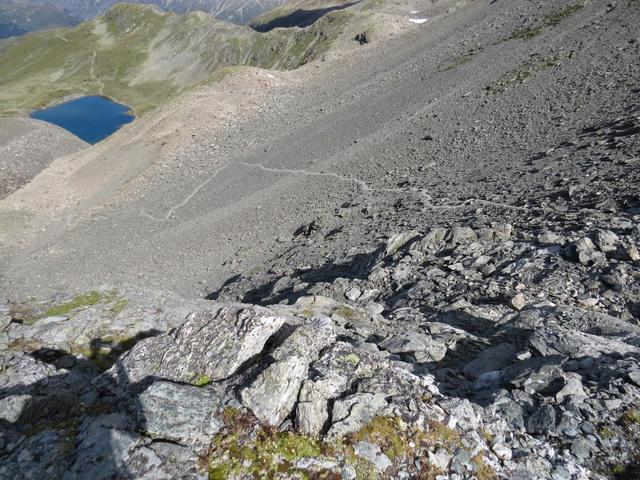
point(80, 301)
point(394, 437)
point(202, 380)
point(119, 306)
point(352, 358)
point(243, 448)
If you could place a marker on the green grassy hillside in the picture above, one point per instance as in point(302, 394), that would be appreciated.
point(142, 56)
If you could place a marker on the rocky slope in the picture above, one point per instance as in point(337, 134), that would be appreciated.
point(27, 147)
point(420, 259)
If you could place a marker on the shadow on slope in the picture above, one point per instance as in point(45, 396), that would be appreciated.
point(55, 413)
point(300, 18)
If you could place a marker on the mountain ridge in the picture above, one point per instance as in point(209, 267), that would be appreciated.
point(163, 55)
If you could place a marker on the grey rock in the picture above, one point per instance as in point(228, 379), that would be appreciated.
point(549, 238)
point(178, 413)
point(272, 396)
point(372, 453)
point(491, 359)
point(634, 376)
point(440, 459)
point(458, 235)
point(586, 251)
point(423, 347)
point(582, 448)
point(542, 421)
point(41, 455)
point(214, 342)
point(353, 293)
point(354, 412)
point(519, 301)
point(607, 241)
point(502, 451)
point(400, 240)
point(573, 388)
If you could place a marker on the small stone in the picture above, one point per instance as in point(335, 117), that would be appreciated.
point(519, 301)
point(634, 376)
point(633, 254)
point(586, 251)
point(542, 421)
point(572, 388)
point(440, 459)
point(372, 453)
point(588, 302)
point(581, 448)
point(348, 472)
point(607, 241)
point(353, 294)
point(459, 235)
point(502, 451)
point(398, 241)
point(549, 238)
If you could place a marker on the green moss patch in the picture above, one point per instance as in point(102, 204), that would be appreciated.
point(202, 380)
point(80, 301)
point(244, 449)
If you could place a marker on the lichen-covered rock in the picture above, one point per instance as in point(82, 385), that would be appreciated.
point(214, 342)
point(108, 448)
point(178, 413)
point(272, 396)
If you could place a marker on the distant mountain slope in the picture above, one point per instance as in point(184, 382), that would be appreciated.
point(18, 17)
point(142, 56)
point(236, 11)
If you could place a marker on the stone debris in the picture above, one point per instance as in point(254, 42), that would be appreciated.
point(487, 376)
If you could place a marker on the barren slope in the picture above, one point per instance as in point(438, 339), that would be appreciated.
point(303, 145)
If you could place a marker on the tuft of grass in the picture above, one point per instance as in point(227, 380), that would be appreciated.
point(442, 435)
point(347, 313)
point(482, 470)
point(607, 433)
point(631, 416)
point(245, 449)
point(466, 57)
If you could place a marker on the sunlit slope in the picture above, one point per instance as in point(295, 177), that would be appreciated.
point(142, 56)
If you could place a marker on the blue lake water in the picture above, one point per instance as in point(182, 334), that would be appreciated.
point(92, 118)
